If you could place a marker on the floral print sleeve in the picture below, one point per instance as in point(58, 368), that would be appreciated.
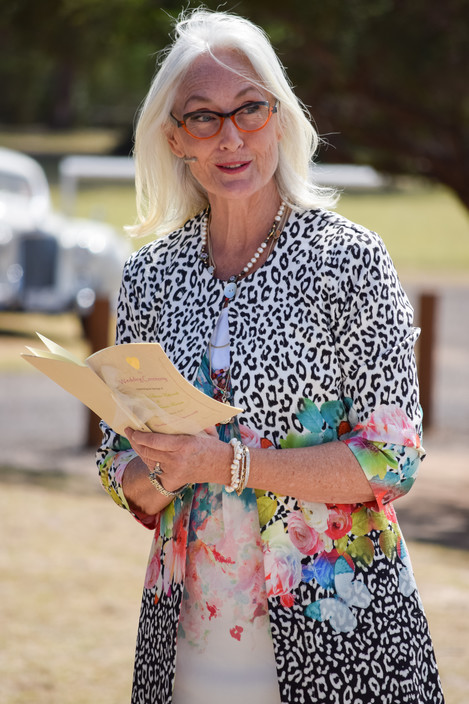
point(388, 449)
point(113, 457)
point(112, 465)
point(375, 342)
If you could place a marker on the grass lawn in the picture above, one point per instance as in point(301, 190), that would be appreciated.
point(426, 229)
point(18, 330)
point(72, 573)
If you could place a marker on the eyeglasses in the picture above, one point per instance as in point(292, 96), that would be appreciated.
point(250, 117)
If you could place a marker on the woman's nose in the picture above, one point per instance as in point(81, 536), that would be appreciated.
point(230, 136)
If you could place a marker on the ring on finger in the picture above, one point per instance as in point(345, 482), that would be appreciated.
point(157, 468)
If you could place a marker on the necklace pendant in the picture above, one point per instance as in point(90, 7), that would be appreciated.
point(230, 290)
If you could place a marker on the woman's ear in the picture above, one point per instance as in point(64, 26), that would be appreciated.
point(174, 142)
point(279, 131)
point(279, 126)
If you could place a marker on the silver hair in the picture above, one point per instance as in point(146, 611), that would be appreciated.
point(167, 193)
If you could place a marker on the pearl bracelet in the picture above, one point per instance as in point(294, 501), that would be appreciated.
point(237, 446)
point(240, 467)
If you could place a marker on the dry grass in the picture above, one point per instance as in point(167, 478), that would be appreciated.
point(44, 141)
point(443, 579)
point(18, 330)
point(72, 567)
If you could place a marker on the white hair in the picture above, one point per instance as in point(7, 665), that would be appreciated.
point(167, 193)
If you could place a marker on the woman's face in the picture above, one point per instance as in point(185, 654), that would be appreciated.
point(233, 164)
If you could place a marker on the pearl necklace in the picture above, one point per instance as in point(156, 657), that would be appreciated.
point(272, 236)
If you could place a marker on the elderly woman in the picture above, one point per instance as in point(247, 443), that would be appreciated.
point(278, 572)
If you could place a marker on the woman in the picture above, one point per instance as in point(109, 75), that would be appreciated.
point(278, 572)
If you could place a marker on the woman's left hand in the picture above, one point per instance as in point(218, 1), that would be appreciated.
point(184, 459)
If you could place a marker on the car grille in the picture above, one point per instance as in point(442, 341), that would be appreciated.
point(39, 258)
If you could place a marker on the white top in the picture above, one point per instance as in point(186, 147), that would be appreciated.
point(224, 648)
point(220, 343)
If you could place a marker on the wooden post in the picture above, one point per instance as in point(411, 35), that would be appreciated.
point(426, 354)
point(96, 329)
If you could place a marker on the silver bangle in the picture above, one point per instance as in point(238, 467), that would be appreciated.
point(153, 477)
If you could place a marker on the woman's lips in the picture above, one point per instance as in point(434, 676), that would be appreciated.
point(233, 168)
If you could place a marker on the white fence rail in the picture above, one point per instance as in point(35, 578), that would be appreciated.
point(72, 169)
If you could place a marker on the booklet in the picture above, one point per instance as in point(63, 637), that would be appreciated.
point(132, 385)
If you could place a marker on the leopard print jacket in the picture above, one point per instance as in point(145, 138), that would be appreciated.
point(322, 348)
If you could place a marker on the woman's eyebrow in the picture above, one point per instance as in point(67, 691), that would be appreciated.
point(205, 99)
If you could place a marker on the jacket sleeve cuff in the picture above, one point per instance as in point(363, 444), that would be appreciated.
point(111, 471)
point(388, 449)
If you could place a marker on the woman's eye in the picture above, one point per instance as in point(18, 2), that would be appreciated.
point(202, 117)
point(251, 109)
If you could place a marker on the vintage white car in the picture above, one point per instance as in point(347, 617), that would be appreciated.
point(50, 262)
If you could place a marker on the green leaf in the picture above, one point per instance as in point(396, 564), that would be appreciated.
point(341, 544)
point(379, 520)
point(292, 440)
point(167, 520)
point(274, 532)
point(266, 507)
point(388, 543)
point(361, 522)
point(391, 458)
point(362, 551)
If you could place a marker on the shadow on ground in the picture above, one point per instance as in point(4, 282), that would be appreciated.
point(451, 529)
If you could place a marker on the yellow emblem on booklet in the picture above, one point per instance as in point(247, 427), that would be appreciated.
point(134, 362)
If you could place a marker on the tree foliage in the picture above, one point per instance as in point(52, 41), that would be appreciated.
point(385, 80)
point(79, 61)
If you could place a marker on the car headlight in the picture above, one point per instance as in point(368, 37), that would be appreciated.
point(15, 273)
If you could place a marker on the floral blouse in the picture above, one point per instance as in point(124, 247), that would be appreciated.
point(322, 341)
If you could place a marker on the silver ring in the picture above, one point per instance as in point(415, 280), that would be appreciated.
point(157, 469)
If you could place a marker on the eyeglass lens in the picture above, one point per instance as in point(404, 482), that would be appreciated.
point(248, 118)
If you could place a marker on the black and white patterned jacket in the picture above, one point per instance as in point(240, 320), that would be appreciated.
point(321, 341)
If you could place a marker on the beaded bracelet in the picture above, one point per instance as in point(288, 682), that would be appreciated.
point(237, 446)
point(240, 467)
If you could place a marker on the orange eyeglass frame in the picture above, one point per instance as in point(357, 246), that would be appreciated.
point(223, 115)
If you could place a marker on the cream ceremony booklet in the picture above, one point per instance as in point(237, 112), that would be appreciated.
point(132, 385)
